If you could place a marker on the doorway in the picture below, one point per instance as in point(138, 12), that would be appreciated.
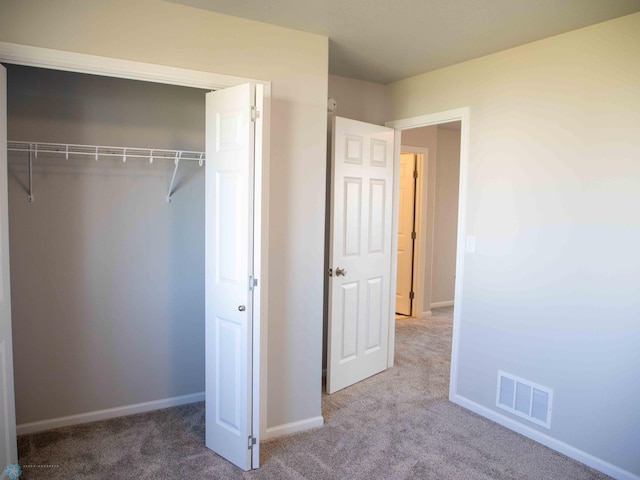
point(410, 277)
point(413, 131)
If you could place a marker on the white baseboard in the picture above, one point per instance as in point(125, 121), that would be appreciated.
point(442, 304)
point(568, 450)
point(43, 425)
point(426, 314)
point(294, 427)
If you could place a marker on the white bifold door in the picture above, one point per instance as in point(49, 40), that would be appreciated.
point(8, 447)
point(231, 312)
point(360, 252)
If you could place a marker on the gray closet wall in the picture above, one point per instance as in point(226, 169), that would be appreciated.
point(107, 279)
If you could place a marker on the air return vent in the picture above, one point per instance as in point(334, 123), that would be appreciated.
point(524, 399)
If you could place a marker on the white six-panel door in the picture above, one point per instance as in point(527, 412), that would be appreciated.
point(361, 229)
point(8, 448)
point(228, 265)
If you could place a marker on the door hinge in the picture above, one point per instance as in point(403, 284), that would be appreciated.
point(253, 282)
point(252, 442)
point(413, 235)
point(415, 174)
point(255, 114)
point(411, 295)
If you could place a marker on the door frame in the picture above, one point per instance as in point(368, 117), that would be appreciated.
point(463, 116)
point(132, 70)
point(419, 246)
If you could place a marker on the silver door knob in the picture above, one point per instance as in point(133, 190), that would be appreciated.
point(242, 308)
point(340, 272)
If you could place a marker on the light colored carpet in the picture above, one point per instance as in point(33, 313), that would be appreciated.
point(395, 425)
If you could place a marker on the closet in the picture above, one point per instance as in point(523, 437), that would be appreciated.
point(107, 277)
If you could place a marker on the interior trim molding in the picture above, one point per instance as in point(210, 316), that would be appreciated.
point(543, 438)
point(442, 304)
point(293, 427)
point(42, 425)
point(113, 67)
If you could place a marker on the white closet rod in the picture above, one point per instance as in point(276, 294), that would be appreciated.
point(97, 151)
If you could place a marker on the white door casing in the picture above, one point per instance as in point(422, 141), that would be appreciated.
point(229, 250)
point(8, 446)
point(406, 215)
point(360, 251)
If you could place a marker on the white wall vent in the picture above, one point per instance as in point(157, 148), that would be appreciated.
point(524, 399)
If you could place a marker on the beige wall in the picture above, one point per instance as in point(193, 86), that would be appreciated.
point(357, 99)
point(445, 225)
point(551, 292)
point(296, 63)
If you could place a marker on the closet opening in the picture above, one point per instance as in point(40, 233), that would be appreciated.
point(242, 104)
point(107, 279)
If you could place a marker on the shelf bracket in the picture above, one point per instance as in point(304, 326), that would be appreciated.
point(173, 179)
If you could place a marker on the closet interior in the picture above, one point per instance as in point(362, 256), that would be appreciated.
point(106, 221)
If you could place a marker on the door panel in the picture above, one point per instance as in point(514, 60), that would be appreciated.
point(361, 214)
point(352, 216)
point(406, 215)
point(8, 447)
point(228, 265)
point(375, 313)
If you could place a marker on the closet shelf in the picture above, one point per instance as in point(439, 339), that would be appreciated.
point(94, 152)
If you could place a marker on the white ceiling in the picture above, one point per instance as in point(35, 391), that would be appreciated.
point(384, 40)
